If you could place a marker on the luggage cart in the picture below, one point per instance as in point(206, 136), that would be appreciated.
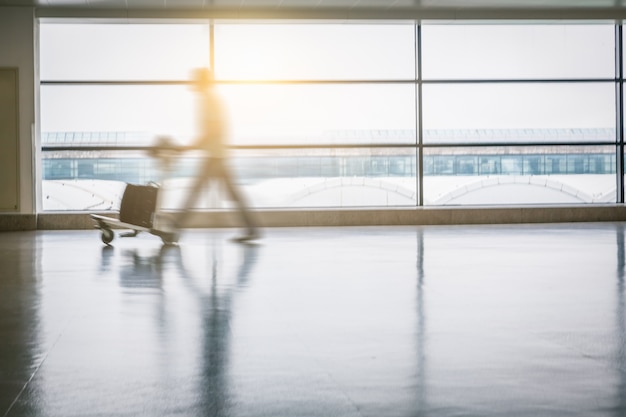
point(140, 206)
point(139, 213)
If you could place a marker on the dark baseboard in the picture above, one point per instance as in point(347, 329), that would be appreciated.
point(18, 222)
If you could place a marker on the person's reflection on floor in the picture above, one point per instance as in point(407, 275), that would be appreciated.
point(620, 403)
point(217, 309)
point(141, 271)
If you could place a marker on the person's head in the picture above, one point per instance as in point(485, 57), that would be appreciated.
point(202, 78)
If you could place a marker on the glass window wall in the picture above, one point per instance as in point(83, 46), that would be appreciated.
point(335, 114)
point(518, 113)
point(291, 87)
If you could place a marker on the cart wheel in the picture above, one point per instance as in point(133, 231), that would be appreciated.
point(107, 235)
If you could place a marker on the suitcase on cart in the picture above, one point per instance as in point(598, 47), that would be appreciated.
point(139, 203)
point(138, 210)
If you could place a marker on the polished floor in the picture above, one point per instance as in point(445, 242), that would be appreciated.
point(525, 320)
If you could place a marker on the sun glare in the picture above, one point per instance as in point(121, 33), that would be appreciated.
point(269, 57)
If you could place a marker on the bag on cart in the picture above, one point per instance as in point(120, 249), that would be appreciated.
point(139, 205)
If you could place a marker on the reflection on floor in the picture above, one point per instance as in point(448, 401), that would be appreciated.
point(380, 321)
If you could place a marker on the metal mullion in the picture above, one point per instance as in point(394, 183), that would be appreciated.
point(419, 130)
point(316, 81)
point(114, 82)
point(79, 148)
point(619, 110)
point(49, 148)
point(327, 146)
point(520, 81)
point(229, 82)
point(514, 144)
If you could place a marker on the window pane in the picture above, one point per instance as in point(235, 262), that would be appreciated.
point(314, 51)
point(95, 180)
point(518, 51)
point(122, 51)
point(321, 114)
point(258, 114)
point(519, 106)
point(519, 175)
point(328, 177)
point(85, 180)
point(167, 110)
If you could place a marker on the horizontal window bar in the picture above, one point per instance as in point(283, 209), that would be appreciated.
point(520, 81)
point(51, 148)
point(313, 82)
point(224, 82)
point(112, 82)
point(515, 144)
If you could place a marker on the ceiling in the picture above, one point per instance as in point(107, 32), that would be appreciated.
point(319, 9)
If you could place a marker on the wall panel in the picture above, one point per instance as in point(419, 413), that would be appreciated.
point(9, 140)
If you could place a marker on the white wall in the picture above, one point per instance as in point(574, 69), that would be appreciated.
point(17, 49)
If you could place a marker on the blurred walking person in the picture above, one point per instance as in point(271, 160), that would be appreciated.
point(213, 133)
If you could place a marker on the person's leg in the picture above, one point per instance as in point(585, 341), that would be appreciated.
point(223, 173)
point(204, 175)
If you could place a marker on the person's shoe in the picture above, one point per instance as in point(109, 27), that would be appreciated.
point(248, 237)
point(170, 238)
